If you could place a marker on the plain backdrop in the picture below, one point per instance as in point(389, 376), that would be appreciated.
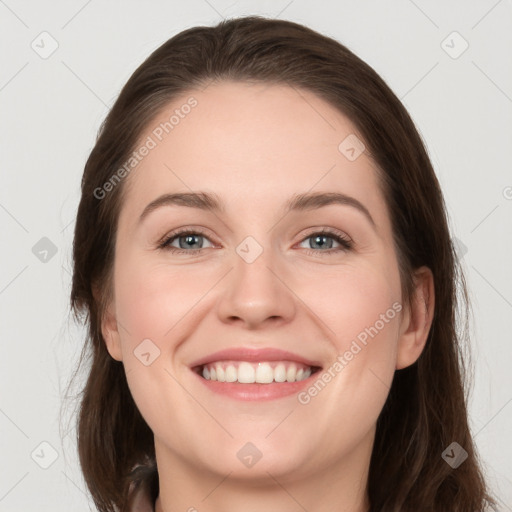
point(63, 64)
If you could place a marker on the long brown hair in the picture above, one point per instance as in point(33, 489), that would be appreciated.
point(426, 408)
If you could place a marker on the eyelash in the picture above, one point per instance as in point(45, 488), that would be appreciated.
point(345, 243)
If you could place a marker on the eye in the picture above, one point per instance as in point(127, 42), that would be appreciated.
point(323, 240)
point(190, 241)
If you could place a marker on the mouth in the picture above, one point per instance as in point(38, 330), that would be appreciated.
point(248, 374)
point(262, 372)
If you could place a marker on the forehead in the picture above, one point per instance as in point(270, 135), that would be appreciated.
point(251, 144)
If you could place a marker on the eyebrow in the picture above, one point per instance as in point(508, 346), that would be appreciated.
point(298, 202)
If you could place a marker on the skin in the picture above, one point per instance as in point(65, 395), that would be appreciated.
point(255, 146)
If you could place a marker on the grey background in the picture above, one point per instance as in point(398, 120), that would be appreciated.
point(52, 107)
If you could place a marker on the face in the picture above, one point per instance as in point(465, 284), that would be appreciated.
point(285, 283)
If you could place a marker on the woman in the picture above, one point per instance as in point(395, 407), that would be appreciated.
point(262, 253)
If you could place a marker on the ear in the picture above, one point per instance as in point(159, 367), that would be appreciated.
point(109, 328)
point(417, 319)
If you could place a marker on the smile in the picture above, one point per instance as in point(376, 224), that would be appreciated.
point(249, 374)
point(267, 372)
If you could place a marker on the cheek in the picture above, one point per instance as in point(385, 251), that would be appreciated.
point(152, 302)
point(362, 310)
point(354, 302)
point(153, 299)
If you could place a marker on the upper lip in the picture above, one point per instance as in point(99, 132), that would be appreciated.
point(254, 355)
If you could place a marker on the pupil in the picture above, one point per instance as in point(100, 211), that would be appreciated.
point(189, 240)
point(322, 237)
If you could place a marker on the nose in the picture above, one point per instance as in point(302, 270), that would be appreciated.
point(256, 294)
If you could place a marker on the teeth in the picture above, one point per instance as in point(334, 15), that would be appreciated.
point(261, 373)
point(291, 373)
point(231, 373)
point(264, 373)
point(246, 373)
point(280, 373)
point(221, 374)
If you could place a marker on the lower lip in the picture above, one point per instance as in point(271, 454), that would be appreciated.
point(256, 391)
